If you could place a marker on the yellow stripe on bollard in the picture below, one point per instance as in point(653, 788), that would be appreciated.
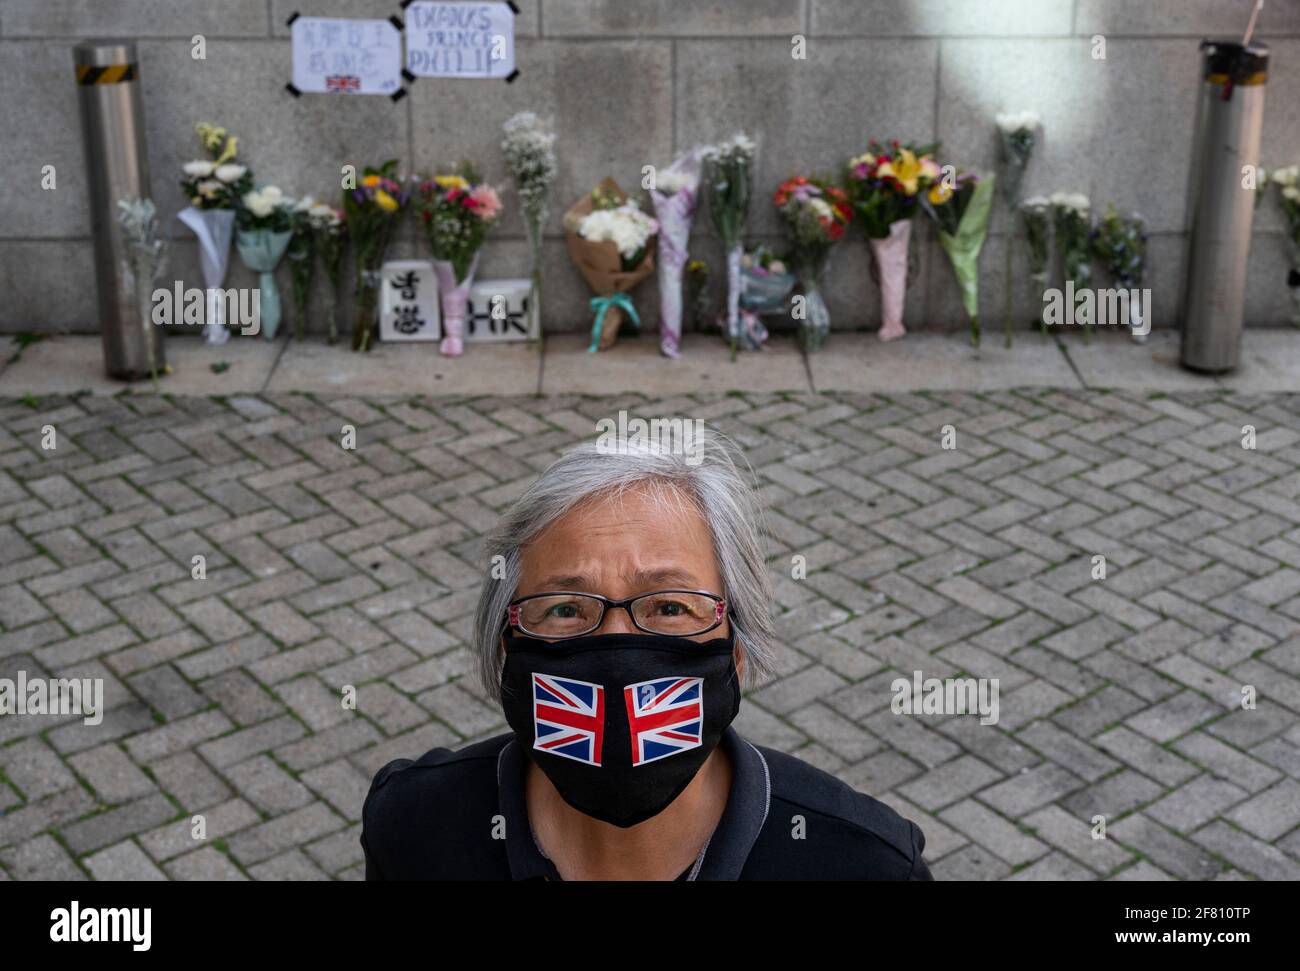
point(107, 74)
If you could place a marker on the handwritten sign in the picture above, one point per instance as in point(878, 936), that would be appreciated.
point(335, 56)
point(460, 40)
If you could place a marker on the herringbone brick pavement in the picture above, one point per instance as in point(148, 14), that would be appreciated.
point(328, 567)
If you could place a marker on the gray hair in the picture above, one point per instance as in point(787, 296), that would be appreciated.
point(708, 478)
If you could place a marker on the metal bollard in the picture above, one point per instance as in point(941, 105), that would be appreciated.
point(1229, 118)
point(117, 167)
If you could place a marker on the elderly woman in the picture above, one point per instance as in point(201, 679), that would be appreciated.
point(626, 598)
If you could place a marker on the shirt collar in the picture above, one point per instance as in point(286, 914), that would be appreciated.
point(728, 847)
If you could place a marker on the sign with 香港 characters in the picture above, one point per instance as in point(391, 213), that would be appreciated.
point(408, 302)
point(336, 56)
point(501, 310)
point(460, 40)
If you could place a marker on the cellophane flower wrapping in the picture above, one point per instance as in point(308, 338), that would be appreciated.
point(728, 179)
point(1120, 242)
point(675, 196)
point(817, 214)
point(1072, 220)
point(974, 202)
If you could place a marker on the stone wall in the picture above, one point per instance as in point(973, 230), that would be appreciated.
point(628, 82)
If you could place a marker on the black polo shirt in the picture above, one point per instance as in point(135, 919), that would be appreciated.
point(461, 816)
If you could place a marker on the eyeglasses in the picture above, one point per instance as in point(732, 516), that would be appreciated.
point(680, 613)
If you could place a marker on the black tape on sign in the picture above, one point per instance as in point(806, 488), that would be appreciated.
point(292, 17)
point(399, 94)
point(406, 3)
point(511, 5)
point(510, 78)
point(408, 75)
point(292, 90)
point(1293, 278)
point(396, 21)
point(107, 74)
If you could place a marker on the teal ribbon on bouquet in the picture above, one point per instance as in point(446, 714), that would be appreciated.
point(600, 306)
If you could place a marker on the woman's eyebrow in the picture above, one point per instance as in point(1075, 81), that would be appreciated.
point(568, 581)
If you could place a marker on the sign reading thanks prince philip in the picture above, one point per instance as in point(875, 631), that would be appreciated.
point(460, 40)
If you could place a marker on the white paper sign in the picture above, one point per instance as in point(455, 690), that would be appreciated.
point(334, 56)
point(408, 306)
point(460, 40)
point(501, 310)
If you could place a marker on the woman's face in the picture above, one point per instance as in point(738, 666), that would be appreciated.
point(621, 547)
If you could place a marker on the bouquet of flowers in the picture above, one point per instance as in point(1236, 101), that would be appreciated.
point(372, 211)
point(1287, 181)
point(611, 242)
point(1017, 134)
point(816, 215)
point(765, 285)
point(214, 187)
point(1072, 216)
point(697, 286)
point(265, 226)
point(146, 254)
point(962, 215)
point(457, 211)
point(674, 195)
point(530, 152)
point(329, 234)
point(728, 178)
point(1036, 214)
point(884, 186)
point(1121, 244)
point(301, 255)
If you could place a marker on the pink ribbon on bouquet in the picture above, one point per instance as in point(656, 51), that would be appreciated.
point(891, 260)
point(455, 304)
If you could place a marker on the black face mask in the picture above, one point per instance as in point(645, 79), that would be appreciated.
point(620, 723)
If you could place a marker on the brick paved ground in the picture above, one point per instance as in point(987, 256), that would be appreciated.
point(327, 567)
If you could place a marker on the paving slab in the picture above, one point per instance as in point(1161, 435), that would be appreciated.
point(635, 364)
point(1114, 360)
point(938, 362)
point(317, 367)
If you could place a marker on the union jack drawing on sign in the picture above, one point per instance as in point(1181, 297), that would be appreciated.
point(342, 82)
point(664, 717)
point(568, 717)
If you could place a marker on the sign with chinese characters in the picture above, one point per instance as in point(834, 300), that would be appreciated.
point(501, 310)
point(334, 56)
point(460, 40)
point(408, 302)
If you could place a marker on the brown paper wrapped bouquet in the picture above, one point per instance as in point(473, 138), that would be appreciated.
point(612, 243)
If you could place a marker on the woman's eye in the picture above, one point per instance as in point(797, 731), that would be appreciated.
point(564, 610)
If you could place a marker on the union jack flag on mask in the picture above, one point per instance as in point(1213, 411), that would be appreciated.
point(664, 717)
point(568, 717)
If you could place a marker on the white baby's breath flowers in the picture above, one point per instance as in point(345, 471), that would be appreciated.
point(1288, 176)
point(198, 169)
point(305, 204)
point(1014, 121)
